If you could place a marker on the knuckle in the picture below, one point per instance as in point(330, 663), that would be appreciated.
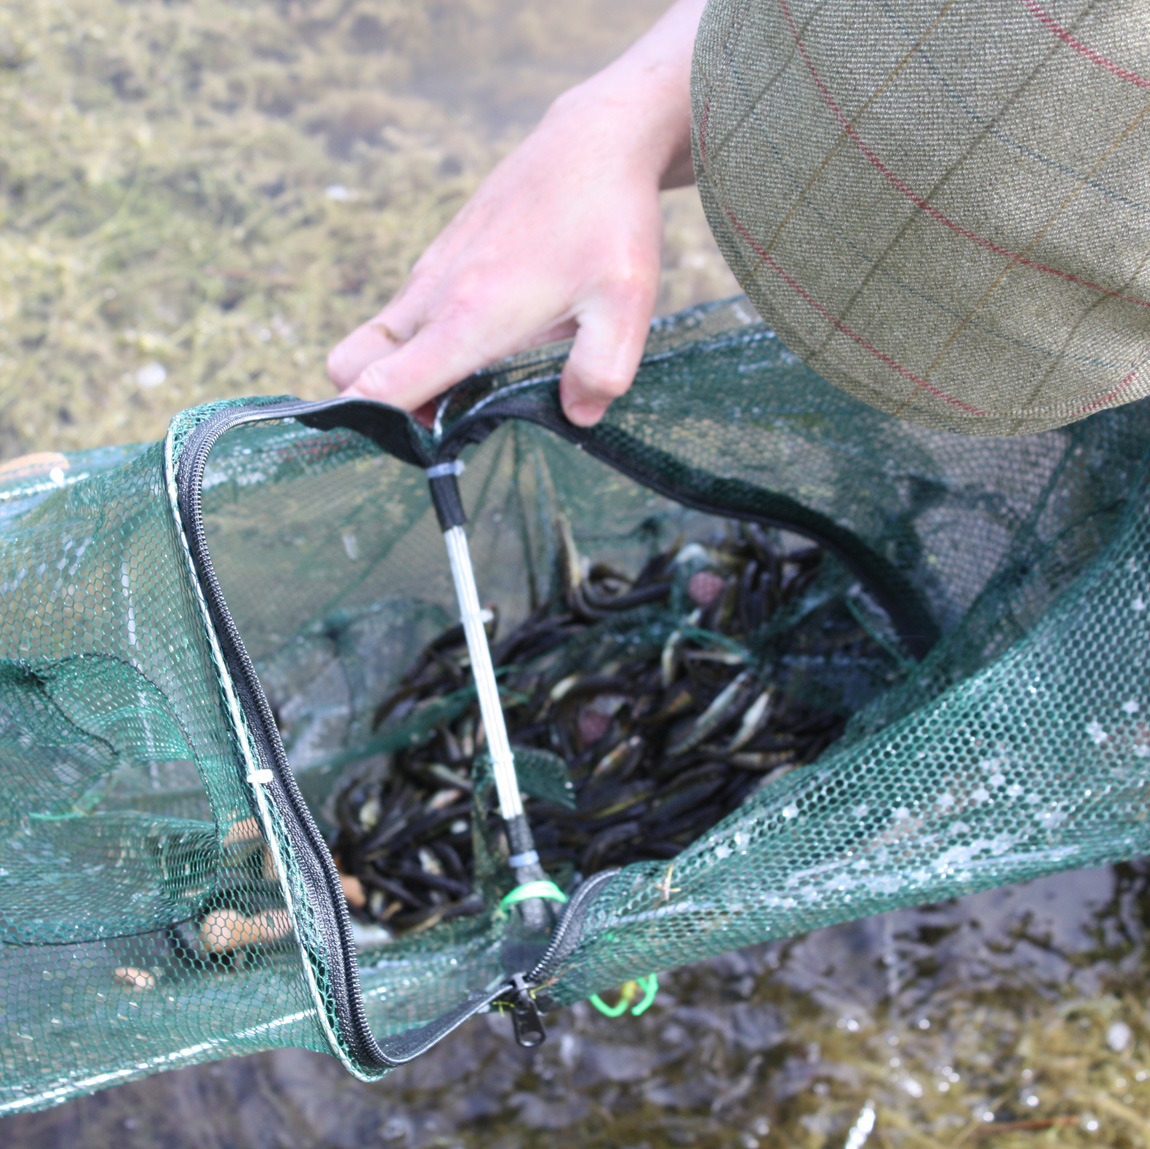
point(632, 290)
point(634, 279)
point(614, 384)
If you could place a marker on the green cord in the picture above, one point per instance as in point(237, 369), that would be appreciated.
point(620, 1007)
point(650, 987)
point(649, 984)
point(543, 889)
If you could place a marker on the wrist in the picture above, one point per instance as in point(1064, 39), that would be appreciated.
point(645, 119)
point(641, 102)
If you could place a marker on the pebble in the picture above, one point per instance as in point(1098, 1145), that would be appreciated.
point(704, 587)
point(222, 931)
point(353, 890)
point(1118, 1036)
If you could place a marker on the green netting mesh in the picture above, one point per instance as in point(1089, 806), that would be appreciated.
point(160, 903)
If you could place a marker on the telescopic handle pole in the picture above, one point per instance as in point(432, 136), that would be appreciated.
point(524, 859)
point(472, 617)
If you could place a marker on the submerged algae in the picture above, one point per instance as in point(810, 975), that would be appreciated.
point(1014, 1018)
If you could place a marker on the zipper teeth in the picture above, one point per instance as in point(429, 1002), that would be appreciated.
point(306, 833)
point(576, 909)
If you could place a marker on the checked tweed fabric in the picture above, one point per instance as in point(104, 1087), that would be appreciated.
point(943, 208)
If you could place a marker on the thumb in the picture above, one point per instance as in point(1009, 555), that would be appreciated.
point(605, 355)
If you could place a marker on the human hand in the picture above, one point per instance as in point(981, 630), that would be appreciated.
point(562, 239)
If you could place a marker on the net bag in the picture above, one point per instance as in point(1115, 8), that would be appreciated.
point(196, 634)
point(943, 208)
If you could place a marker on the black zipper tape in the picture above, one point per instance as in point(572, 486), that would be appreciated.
point(337, 964)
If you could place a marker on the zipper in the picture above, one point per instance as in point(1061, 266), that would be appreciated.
point(570, 928)
point(317, 869)
point(521, 992)
point(316, 865)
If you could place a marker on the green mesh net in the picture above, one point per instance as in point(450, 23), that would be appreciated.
point(197, 635)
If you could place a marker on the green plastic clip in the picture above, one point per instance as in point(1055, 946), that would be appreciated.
point(649, 986)
point(543, 889)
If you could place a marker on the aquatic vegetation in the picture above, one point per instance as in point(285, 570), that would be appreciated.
point(1013, 1019)
point(197, 200)
point(169, 232)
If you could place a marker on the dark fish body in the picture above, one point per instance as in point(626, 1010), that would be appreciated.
point(664, 699)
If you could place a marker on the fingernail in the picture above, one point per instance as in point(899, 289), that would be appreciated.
point(585, 414)
point(336, 369)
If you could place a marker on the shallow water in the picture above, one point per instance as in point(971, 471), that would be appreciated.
point(196, 200)
point(1013, 1017)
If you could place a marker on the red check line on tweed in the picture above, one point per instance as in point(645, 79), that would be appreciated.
point(1110, 396)
point(921, 203)
point(802, 292)
point(1067, 37)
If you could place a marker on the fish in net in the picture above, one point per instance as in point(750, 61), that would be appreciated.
point(644, 708)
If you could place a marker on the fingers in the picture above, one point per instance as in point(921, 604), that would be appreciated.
point(371, 341)
point(610, 334)
point(606, 353)
point(427, 340)
point(410, 374)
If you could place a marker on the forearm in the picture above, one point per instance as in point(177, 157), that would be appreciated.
point(647, 90)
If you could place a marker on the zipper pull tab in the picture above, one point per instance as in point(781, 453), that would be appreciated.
point(526, 1019)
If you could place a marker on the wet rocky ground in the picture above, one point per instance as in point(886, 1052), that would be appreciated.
point(1011, 1018)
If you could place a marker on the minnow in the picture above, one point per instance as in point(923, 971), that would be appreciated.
point(754, 718)
point(723, 709)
